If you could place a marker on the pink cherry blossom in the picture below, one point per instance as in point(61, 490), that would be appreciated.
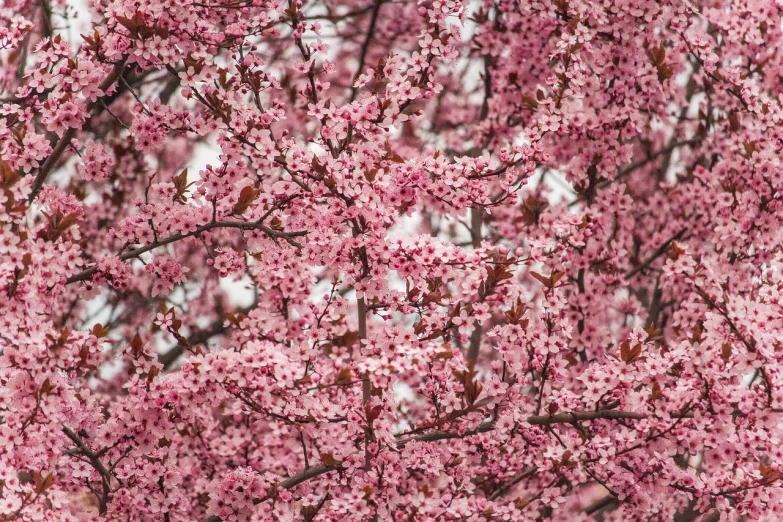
point(408, 261)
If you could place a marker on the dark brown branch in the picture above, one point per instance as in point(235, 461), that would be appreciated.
point(96, 463)
point(445, 435)
point(361, 306)
point(242, 225)
point(655, 255)
point(750, 345)
point(307, 474)
point(366, 45)
point(315, 471)
point(578, 416)
point(46, 18)
point(519, 478)
point(655, 155)
point(168, 358)
point(601, 504)
point(294, 481)
point(476, 222)
point(541, 420)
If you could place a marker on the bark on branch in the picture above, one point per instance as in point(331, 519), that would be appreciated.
point(96, 463)
point(242, 225)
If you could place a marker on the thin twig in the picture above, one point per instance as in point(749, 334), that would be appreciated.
point(366, 46)
point(655, 255)
point(519, 478)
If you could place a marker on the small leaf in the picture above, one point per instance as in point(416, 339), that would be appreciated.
point(750, 147)
point(8, 176)
point(370, 175)
point(345, 376)
point(374, 413)
point(137, 347)
point(328, 460)
point(725, 352)
point(446, 354)
point(629, 354)
point(676, 251)
point(656, 393)
point(530, 102)
point(696, 333)
point(734, 122)
point(320, 169)
point(100, 331)
point(69, 220)
point(246, 197)
point(769, 474)
point(653, 333)
point(42, 483)
point(503, 274)
point(181, 186)
point(542, 279)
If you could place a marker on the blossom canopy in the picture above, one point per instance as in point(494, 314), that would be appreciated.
point(391, 260)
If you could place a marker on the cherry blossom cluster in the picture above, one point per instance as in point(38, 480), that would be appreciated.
point(369, 260)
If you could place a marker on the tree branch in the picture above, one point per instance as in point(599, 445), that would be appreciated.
point(294, 481)
point(307, 474)
point(655, 255)
point(601, 504)
point(366, 45)
point(519, 478)
point(168, 358)
point(242, 225)
point(476, 222)
point(361, 306)
point(96, 464)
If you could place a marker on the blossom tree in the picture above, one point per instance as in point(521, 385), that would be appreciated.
point(498, 260)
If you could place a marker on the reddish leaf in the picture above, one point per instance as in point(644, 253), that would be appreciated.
point(99, 331)
point(629, 354)
point(246, 197)
point(328, 460)
point(769, 474)
point(542, 279)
